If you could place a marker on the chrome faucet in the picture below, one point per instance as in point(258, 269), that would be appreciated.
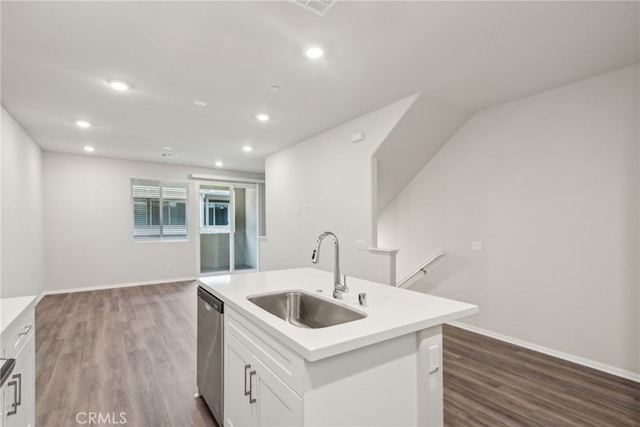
point(338, 288)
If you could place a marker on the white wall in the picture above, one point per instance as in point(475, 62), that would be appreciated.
point(325, 184)
point(550, 185)
point(88, 223)
point(417, 137)
point(22, 271)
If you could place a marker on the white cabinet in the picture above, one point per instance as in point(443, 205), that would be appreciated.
point(279, 405)
point(18, 403)
point(254, 395)
point(268, 384)
point(17, 342)
point(240, 411)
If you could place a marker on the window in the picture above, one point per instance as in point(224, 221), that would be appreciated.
point(159, 209)
point(215, 211)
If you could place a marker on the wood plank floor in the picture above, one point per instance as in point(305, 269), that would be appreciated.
point(133, 350)
point(128, 350)
point(488, 382)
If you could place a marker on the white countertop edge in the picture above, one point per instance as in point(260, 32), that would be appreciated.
point(273, 326)
point(11, 308)
point(343, 347)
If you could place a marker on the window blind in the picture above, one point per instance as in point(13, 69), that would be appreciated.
point(159, 209)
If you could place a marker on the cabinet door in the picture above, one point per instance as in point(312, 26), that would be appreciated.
point(18, 404)
point(240, 377)
point(2, 405)
point(279, 405)
point(254, 395)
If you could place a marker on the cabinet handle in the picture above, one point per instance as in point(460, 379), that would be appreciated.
point(19, 399)
point(26, 331)
point(251, 398)
point(246, 392)
point(16, 401)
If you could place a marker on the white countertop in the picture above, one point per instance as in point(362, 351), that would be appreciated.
point(391, 312)
point(10, 309)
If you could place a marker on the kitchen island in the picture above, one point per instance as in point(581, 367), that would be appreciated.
point(383, 369)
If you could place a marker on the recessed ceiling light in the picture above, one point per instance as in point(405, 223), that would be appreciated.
point(83, 124)
point(247, 148)
point(89, 149)
point(167, 148)
point(262, 117)
point(200, 103)
point(119, 85)
point(219, 164)
point(274, 88)
point(314, 52)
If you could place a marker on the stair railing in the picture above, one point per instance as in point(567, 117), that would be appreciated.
point(419, 272)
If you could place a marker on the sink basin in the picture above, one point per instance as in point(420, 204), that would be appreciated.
point(305, 310)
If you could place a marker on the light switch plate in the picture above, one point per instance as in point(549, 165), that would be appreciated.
point(477, 246)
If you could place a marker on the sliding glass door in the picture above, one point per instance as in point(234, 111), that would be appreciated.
point(215, 229)
point(228, 228)
point(245, 238)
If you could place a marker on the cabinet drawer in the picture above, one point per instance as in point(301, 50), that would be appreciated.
point(17, 333)
point(286, 364)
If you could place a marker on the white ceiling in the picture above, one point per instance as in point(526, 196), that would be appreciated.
point(57, 55)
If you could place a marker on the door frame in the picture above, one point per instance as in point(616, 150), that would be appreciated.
point(232, 185)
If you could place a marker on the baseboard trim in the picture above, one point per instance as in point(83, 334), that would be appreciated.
point(629, 375)
point(118, 285)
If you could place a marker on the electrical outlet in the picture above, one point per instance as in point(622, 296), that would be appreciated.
point(434, 358)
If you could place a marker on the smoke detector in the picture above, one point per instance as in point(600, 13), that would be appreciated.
point(319, 7)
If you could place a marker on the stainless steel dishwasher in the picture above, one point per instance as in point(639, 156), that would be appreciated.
point(209, 376)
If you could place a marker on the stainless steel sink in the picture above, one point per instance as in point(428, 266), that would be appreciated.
point(306, 310)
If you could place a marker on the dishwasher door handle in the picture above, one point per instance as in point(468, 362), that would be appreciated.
point(247, 391)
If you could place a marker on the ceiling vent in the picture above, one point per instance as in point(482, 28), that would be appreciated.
point(319, 7)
